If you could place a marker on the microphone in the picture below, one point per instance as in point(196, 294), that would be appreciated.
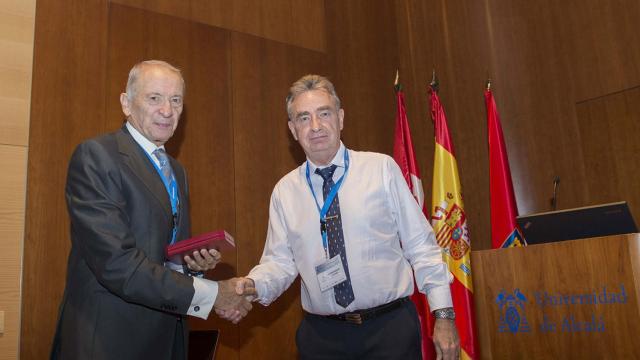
point(554, 198)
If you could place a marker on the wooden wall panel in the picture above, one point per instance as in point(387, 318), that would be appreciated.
point(17, 20)
point(15, 127)
point(16, 42)
point(299, 23)
point(362, 57)
point(532, 62)
point(609, 129)
point(67, 106)
point(601, 38)
point(264, 152)
point(13, 161)
point(548, 56)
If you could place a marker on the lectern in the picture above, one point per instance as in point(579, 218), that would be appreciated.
point(575, 299)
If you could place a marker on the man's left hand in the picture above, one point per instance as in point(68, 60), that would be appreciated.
point(203, 260)
point(445, 339)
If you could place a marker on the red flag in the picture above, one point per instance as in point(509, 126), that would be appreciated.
point(504, 210)
point(404, 155)
point(449, 222)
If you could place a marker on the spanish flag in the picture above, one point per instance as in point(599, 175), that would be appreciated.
point(404, 155)
point(449, 222)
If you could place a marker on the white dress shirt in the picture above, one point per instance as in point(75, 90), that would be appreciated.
point(206, 291)
point(385, 234)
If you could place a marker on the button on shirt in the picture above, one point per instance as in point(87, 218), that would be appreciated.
point(378, 214)
point(205, 290)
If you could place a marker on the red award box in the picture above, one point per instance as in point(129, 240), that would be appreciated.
point(219, 240)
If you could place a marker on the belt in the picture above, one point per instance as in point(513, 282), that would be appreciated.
point(359, 316)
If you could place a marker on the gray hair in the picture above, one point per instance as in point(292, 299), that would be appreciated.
point(134, 74)
point(309, 83)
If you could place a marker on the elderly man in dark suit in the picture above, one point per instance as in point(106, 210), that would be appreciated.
point(127, 200)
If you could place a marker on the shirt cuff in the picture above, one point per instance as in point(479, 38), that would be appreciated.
point(204, 297)
point(439, 297)
point(261, 289)
point(174, 266)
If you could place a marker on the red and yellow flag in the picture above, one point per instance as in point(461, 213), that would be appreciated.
point(504, 210)
point(404, 155)
point(449, 222)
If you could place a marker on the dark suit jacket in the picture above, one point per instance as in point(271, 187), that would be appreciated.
point(120, 302)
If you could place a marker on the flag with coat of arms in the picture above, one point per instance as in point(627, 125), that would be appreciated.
point(449, 222)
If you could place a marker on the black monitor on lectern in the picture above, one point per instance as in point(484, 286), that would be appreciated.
point(578, 223)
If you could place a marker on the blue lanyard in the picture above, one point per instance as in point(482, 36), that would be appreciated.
point(327, 202)
point(171, 185)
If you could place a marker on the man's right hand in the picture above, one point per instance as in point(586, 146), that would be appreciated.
point(446, 340)
point(234, 298)
point(230, 304)
point(247, 287)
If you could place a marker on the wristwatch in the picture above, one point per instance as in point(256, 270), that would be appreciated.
point(445, 313)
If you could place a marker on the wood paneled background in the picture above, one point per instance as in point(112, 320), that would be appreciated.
point(17, 20)
point(565, 76)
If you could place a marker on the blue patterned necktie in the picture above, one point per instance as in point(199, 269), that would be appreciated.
point(343, 292)
point(167, 172)
point(165, 166)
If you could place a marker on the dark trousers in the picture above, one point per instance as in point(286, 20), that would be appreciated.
point(180, 341)
point(393, 335)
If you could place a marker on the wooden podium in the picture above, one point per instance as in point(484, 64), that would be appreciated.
point(566, 300)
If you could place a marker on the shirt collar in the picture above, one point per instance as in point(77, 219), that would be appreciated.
point(337, 160)
point(147, 145)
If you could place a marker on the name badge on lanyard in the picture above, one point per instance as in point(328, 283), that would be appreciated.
point(330, 273)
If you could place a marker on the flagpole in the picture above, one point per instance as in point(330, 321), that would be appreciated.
point(434, 81)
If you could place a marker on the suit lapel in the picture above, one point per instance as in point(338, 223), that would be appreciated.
point(141, 166)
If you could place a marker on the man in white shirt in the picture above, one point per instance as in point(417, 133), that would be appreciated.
point(346, 222)
point(127, 201)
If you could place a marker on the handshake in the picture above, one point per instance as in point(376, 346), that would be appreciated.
point(234, 298)
point(234, 295)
